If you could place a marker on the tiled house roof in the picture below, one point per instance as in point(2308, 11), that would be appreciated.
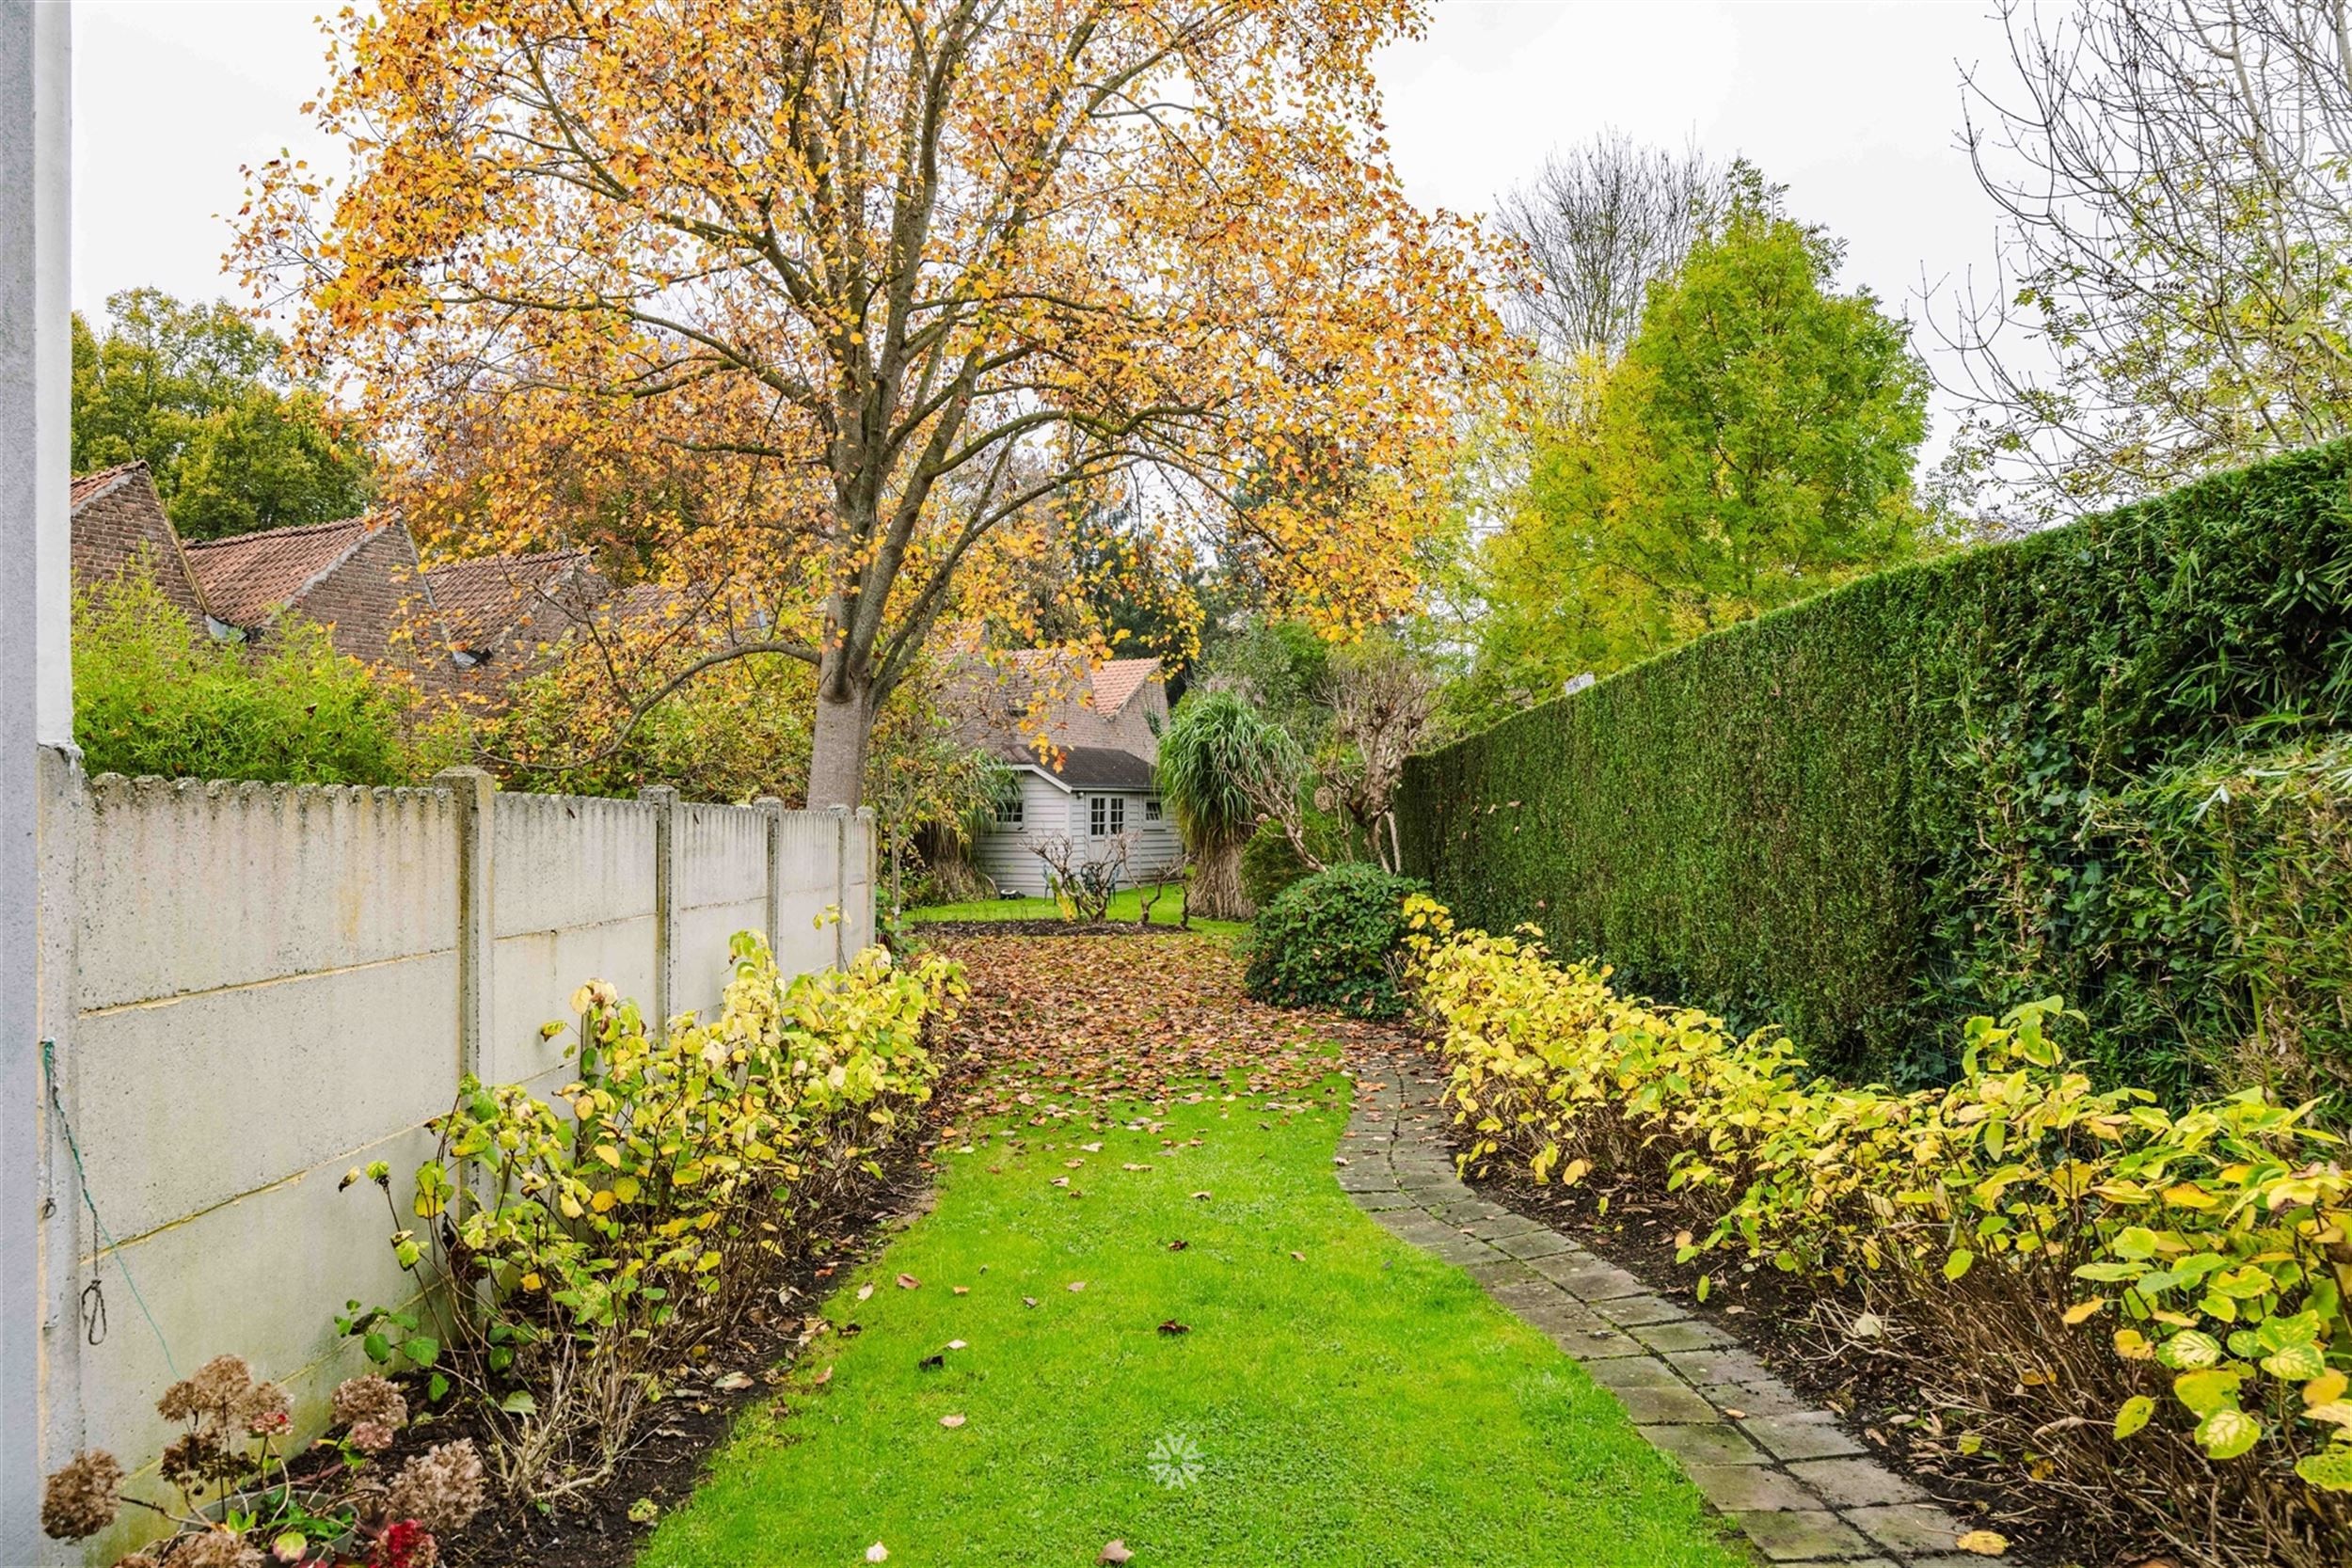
point(1121, 705)
point(359, 577)
point(497, 600)
point(248, 578)
point(119, 521)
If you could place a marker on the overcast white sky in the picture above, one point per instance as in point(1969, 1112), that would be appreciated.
point(1855, 106)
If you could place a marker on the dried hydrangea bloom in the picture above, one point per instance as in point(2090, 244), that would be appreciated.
point(441, 1488)
point(215, 1548)
point(371, 1437)
point(192, 1459)
point(263, 1410)
point(370, 1399)
point(214, 1389)
point(80, 1499)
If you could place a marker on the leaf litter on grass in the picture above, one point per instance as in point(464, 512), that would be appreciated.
point(1064, 1026)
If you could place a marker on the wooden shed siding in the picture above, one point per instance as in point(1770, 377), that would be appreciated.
point(1004, 853)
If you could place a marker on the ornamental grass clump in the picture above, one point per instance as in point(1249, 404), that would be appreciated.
point(249, 1496)
point(575, 1256)
point(2147, 1309)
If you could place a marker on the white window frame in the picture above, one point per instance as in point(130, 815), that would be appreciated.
point(1106, 816)
point(1012, 812)
point(1152, 810)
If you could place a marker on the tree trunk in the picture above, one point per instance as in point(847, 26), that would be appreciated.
point(1215, 891)
point(836, 761)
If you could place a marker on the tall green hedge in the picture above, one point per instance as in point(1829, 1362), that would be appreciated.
point(1933, 791)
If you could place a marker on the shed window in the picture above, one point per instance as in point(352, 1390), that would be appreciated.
point(1011, 811)
point(1106, 815)
point(1150, 811)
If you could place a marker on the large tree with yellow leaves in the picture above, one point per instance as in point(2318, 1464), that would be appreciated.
point(845, 310)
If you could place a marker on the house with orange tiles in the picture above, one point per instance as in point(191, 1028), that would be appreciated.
point(1081, 741)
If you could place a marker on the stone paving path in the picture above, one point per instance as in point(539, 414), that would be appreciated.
point(1780, 1468)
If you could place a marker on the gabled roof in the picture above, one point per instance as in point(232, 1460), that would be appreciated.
point(1114, 685)
point(1093, 768)
point(486, 600)
point(88, 488)
point(119, 522)
point(248, 577)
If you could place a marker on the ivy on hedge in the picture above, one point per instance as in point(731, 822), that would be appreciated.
point(1938, 791)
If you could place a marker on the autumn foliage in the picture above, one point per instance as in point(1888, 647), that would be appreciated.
point(850, 314)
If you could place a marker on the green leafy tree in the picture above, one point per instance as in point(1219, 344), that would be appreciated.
point(1752, 446)
point(196, 392)
point(148, 699)
point(1223, 766)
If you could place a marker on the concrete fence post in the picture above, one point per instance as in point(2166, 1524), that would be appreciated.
point(475, 794)
point(772, 808)
point(840, 887)
point(870, 851)
point(663, 800)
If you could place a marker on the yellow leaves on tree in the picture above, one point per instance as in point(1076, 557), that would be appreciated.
point(827, 305)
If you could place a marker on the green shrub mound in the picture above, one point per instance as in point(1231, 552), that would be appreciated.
point(1269, 866)
point(1333, 940)
point(1953, 787)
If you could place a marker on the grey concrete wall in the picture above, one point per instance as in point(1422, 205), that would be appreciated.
point(270, 985)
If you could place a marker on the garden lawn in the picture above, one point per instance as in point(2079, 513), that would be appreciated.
point(1126, 908)
point(1340, 1397)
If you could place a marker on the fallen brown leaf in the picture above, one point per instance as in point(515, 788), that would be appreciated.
point(1172, 1327)
point(951, 1422)
point(1114, 1552)
point(908, 1282)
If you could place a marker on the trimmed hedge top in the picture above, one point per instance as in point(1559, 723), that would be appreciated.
point(1915, 798)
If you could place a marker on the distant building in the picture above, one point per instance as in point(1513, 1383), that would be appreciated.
point(471, 627)
point(1082, 743)
point(359, 577)
point(119, 525)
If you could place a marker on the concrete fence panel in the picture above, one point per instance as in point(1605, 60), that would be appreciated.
point(572, 899)
point(271, 985)
point(721, 888)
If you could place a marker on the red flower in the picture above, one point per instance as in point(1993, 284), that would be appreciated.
point(406, 1544)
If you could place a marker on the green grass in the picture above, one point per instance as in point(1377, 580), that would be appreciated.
point(1365, 1405)
point(1126, 908)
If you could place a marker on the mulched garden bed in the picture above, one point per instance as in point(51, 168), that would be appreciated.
point(1803, 1334)
point(594, 1530)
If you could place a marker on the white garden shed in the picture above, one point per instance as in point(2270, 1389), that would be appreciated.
point(1100, 800)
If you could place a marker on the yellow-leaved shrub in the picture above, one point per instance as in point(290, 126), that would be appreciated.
point(2209, 1246)
point(578, 1253)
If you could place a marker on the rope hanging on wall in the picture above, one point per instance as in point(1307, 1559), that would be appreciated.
point(94, 1293)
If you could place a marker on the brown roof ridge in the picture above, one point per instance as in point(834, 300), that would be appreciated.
point(368, 522)
point(1109, 698)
